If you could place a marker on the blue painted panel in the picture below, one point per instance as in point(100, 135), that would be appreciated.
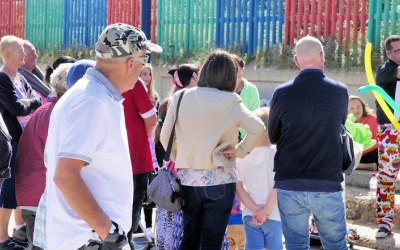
point(253, 24)
point(84, 21)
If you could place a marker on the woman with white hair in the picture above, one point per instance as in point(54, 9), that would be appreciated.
point(17, 100)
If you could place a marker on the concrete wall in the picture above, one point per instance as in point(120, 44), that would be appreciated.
point(268, 78)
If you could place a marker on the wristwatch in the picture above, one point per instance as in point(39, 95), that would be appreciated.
point(114, 228)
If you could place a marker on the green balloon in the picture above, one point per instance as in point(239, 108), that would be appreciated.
point(361, 133)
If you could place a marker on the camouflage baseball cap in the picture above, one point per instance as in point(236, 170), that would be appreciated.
point(120, 40)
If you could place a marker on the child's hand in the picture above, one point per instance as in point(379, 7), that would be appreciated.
point(255, 221)
point(260, 216)
point(255, 208)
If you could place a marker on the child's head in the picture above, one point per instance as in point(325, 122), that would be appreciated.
point(263, 114)
point(184, 76)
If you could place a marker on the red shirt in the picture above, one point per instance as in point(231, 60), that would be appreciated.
point(137, 107)
point(30, 172)
point(373, 126)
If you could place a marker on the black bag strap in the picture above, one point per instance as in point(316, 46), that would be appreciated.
point(171, 137)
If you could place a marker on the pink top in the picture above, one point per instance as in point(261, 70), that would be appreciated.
point(30, 172)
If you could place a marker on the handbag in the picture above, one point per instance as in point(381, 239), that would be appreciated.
point(165, 190)
point(347, 150)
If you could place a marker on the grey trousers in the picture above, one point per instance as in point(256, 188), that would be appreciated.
point(29, 217)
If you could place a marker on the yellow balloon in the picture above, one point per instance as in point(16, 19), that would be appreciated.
point(378, 97)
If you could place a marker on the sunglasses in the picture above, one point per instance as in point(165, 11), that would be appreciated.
point(142, 59)
point(241, 63)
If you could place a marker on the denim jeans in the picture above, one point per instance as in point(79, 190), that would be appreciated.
point(139, 195)
point(205, 216)
point(265, 236)
point(329, 214)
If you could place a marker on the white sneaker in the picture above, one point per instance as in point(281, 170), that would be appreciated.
point(382, 232)
point(149, 231)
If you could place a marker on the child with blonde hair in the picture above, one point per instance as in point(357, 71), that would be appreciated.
point(255, 189)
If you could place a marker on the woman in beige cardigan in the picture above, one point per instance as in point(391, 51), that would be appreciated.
point(204, 148)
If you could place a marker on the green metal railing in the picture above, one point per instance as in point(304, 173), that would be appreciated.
point(383, 20)
point(185, 26)
point(44, 23)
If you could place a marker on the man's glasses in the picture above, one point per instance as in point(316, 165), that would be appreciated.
point(397, 52)
point(142, 59)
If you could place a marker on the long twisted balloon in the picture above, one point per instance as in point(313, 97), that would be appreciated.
point(378, 92)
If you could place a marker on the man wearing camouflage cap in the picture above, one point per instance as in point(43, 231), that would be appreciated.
point(89, 175)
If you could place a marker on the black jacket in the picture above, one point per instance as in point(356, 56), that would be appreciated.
point(10, 108)
point(305, 119)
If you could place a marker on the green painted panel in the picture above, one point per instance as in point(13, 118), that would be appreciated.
point(44, 23)
point(185, 26)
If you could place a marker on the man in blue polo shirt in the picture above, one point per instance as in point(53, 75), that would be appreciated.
point(305, 119)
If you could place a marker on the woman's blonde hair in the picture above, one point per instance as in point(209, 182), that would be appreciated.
point(7, 43)
point(150, 88)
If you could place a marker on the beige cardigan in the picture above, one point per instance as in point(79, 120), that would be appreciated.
point(208, 121)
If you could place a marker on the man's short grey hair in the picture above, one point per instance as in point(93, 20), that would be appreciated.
point(308, 46)
point(58, 79)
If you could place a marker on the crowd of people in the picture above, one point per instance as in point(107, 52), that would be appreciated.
point(81, 142)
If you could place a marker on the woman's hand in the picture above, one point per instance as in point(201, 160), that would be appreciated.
point(229, 153)
point(25, 102)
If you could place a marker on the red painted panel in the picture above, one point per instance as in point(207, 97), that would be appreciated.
point(327, 23)
point(299, 14)
point(12, 18)
point(313, 16)
point(292, 20)
point(288, 36)
point(348, 23)
point(364, 17)
point(334, 18)
point(154, 21)
point(306, 16)
point(320, 15)
point(126, 11)
point(341, 19)
point(356, 21)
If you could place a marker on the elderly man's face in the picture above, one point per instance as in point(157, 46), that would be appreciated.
point(30, 58)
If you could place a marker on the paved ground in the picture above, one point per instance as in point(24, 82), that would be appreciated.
point(365, 230)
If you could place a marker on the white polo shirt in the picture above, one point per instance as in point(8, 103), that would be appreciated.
point(256, 172)
point(88, 124)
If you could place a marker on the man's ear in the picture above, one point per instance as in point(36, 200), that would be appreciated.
point(296, 61)
point(322, 54)
point(131, 64)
